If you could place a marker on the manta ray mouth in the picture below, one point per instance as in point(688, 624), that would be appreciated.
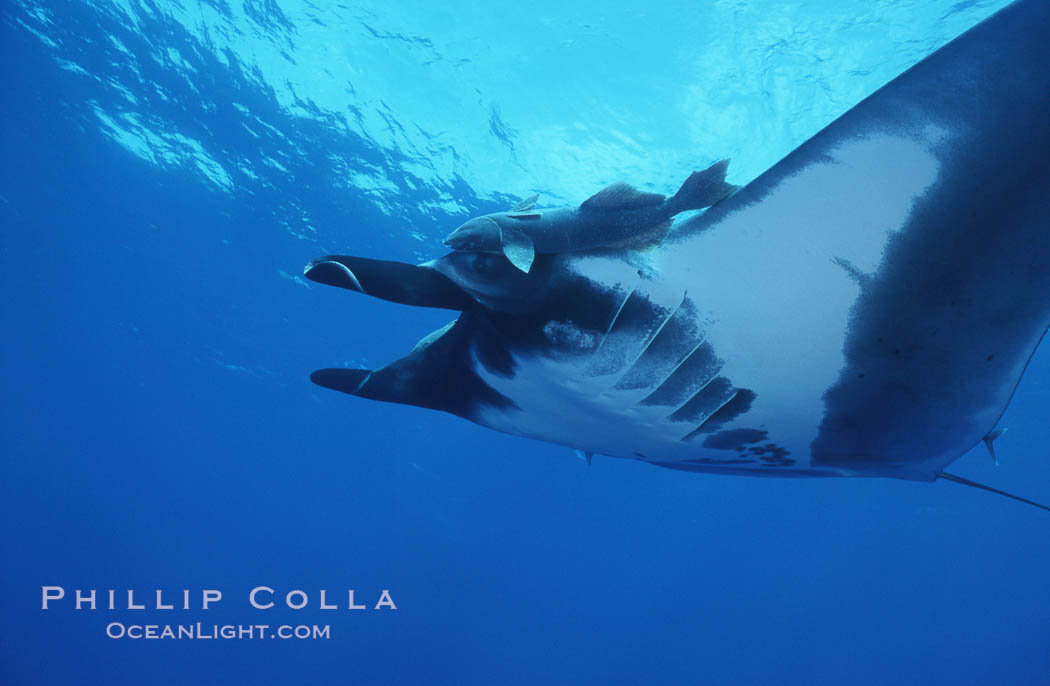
point(397, 282)
point(424, 376)
point(438, 373)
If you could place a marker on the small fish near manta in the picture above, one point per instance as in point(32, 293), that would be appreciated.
point(617, 216)
point(865, 307)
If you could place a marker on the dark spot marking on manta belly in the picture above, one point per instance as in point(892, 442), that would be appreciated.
point(746, 442)
point(772, 455)
point(735, 439)
point(568, 338)
point(571, 301)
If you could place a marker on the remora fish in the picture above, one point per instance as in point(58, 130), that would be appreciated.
point(617, 216)
point(866, 307)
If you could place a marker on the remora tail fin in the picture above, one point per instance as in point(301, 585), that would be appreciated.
point(702, 189)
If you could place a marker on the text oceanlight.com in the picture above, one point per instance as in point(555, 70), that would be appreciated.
point(201, 631)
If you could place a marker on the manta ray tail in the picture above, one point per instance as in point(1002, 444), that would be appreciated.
point(702, 189)
point(974, 484)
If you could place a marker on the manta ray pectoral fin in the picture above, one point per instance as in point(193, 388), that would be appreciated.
point(621, 196)
point(702, 189)
point(526, 204)
point(989, 441)
point(398, 282)
point(519, 249)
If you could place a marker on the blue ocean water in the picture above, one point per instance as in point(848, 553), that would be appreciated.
point(167, 170)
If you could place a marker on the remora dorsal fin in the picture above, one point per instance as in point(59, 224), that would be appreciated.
point(620, 196)
point(519, 249)
point(526, 204)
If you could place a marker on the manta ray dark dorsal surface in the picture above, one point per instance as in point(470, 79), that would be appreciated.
point(950, 309)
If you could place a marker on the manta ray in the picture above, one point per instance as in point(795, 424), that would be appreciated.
point(866, 307)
